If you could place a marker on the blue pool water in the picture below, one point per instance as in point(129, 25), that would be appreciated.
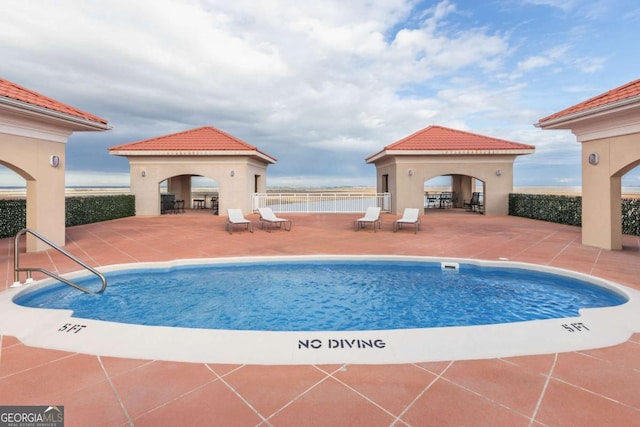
point(326, 296)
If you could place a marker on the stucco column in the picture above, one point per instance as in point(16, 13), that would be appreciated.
point(46, 197)
point(46, 208)
point(456, 187)
point(235, 189)
point(145, 185)
point(408, 189)
point(466, 188)
point(497, 186)
point(180, 186)
point(601, 195)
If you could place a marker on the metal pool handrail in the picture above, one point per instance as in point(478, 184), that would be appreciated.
point(17, 269)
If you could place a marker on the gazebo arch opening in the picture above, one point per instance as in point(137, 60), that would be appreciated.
point(9, 169)
point(453, 191)
point(189, 191)
point(628, 169)
point(206, 191)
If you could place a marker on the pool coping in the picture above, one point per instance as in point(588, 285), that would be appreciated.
point(57, 329)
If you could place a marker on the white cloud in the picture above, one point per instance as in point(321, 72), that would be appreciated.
point(293, 78)
point(534, 62)
point(550, 57)
point(590, 64)
point(560, 4)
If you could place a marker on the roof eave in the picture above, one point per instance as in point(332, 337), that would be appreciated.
point(79, 123)
point(559, 122)
point(374, 157)
point(252, 153)
point(512, 152)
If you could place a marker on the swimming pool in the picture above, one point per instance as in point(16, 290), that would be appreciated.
point(582, 328)
point(326, 295)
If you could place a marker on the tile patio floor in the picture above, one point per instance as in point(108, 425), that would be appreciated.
point(599, 387)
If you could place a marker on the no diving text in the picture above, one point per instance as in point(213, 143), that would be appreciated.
point(315, 344)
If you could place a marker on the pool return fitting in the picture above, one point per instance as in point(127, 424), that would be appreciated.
point(17, 269)
point(453, 266)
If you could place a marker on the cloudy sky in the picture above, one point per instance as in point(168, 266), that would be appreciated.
point(321, 85)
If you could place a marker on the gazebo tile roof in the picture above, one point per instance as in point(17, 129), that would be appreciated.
point(626, 91)
point(206, 138)
point(18, 93)
point(439, 138)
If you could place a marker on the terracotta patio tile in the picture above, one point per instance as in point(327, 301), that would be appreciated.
point(393, 387)
point(18, 358)
point(599, 376)
point(536, 364)
point(269, 388)
point(153, 385)
point(9, 341)
point(331, 404)
point(434, 367)
point(224, 369)
point(626, 354)
point(502, 382)
point(445, 404)
point(210, 405)
point(58, 377)
point(566, 405)
point(95, 405)
point(115, 366)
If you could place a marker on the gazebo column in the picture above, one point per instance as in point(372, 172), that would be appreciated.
point(180, 186)
point(145, 187)
point(457, 186)
point(464, 188)
point(46, 210)
point(46, 203)
point(601, 195)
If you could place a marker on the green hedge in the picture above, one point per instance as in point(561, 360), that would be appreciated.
point(13, 217)
point(631, 217)
point(87, 210)
point(568, 210)
point(551, 208)
point(79, 210)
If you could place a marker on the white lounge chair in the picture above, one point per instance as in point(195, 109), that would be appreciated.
point(410, 216)
point(268, 217)
point(372, 216)
point(237, 218)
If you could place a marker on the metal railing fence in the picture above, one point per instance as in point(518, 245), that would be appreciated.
point(321, 202)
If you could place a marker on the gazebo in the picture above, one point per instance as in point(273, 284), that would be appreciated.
point(33, 132)
point(403, 167)
point(608, 127)
point(240, 169)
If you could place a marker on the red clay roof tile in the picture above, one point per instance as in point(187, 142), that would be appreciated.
point(445, 140)
point(19, 93)
point(441, 138)
point(628, 90)
point(206, 138)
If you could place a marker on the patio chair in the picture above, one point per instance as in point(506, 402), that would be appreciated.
point(431, 200)
point(372, 216)
point(474, 203)
point(410, 216)
point(268, 217)
point(237, 218)
point(446, 199)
